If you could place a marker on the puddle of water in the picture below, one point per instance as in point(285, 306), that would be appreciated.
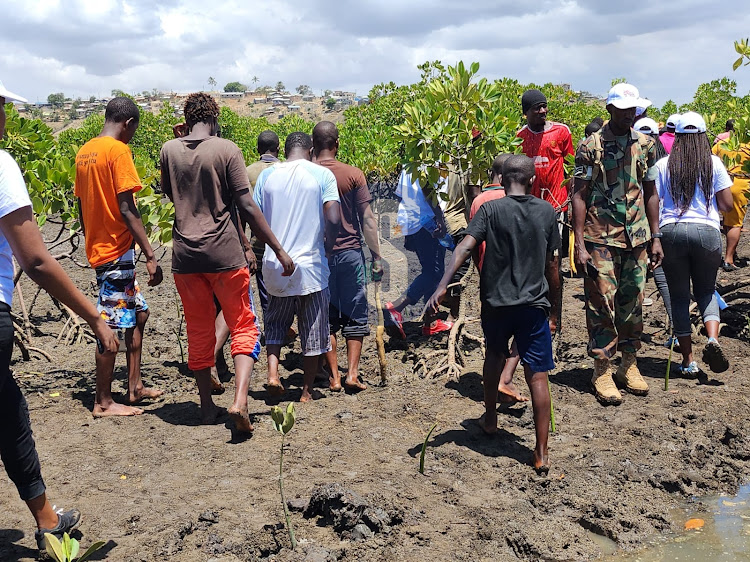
point(725, 536)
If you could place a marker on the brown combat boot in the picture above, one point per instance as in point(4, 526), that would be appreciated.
point(604, 387)
point(629, 376)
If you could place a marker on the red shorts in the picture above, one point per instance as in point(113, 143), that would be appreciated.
point(197, 292)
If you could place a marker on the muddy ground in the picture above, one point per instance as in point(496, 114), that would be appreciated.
point(163, 487)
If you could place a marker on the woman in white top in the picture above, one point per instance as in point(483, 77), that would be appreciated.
point(693, 186)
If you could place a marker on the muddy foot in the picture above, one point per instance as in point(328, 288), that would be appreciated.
point(216, 386)
point(275, 388)
point(354, 385)
point(115, 409)
point(509, 394)
point(209, 416)
point(488, 426)
point(241, 420)
point(143, 393)
point(540, 464)
point(334, 386)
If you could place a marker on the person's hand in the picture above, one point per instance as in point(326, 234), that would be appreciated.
point(440, 231)
point(581, 256)
point(252, 262)
point(553, 321)
point(106, 338)
point(433, 305)
point(155, 275)
point(180, 130)
point(376, 272)
point(286, 262)
point(656, 254)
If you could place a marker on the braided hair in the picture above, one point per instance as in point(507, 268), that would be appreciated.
point(690, 166)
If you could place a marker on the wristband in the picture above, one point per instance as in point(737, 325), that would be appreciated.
point(657, 234)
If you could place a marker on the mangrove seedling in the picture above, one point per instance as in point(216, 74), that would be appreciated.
point(283, 423)
point(669, 365)
point(424, 448)
point(67, 549)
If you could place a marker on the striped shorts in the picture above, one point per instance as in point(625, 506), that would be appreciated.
point(312, 321)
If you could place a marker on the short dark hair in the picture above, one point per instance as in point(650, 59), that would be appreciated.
point(730, 125)
point(298, 139)
point(121, 109)
point(596, 124)
point(518, 169)
point(268, 141)
point(324, 135)
point(497, 164)
point(200, 108)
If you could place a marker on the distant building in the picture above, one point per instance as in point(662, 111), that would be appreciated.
point(232, 95)
point(259, 100)
point(294, 108)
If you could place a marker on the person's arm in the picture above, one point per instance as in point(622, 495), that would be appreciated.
point(80, 216)
point(460, 254)
point(247, 247)
point(252, 215)
point(22, 233)
point(652, 214)
point(724, 200)
point(578, 205)
point(370, 231)
point(132, 219)
point(332, 215)
point(552, 273)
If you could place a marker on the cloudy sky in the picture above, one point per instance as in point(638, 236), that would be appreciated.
point(84, 47)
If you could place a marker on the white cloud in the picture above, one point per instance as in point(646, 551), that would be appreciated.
point(80, 47)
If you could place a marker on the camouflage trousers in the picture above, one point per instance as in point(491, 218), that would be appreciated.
point(614, 299)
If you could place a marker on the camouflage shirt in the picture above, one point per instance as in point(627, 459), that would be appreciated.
point(616, 168)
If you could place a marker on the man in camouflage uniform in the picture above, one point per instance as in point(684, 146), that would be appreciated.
point(615, 216)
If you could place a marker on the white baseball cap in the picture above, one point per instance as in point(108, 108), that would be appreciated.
point(647, 125)
point(690, 119)
point(10, 96)
point(672, 120)
point(626, 96)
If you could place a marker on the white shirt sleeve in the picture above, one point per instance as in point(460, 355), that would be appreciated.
point(13, 194)
point(258, 189)
point(330, 187)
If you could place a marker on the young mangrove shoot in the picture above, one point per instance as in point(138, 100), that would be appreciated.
point(283, 423)
point(424, 448)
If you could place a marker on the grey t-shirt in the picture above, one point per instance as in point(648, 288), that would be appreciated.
point(519, 231)
point(200, 177)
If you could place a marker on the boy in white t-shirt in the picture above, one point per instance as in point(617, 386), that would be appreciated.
point(300, 201)
point(20, 237)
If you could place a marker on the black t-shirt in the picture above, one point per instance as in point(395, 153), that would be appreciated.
point(519, 231)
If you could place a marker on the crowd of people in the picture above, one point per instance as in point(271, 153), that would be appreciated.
point(640, 200)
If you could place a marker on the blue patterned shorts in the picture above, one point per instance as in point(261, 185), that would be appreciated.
point(120, 297)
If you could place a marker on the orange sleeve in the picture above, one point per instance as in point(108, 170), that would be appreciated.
point(124, 173)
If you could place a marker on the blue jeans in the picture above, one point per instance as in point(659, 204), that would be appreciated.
point(691, 252)
point(431, 256)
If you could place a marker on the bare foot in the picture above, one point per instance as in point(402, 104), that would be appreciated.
point(509, 394)
point(143, 393)
point(306, 396)
point(241, 420)
point(489, 423)
point(353, 385)
point(216, 386)
point(275, 388)
point(210, 414)
point(334, 385)
point(540, 464)
point(115, 409)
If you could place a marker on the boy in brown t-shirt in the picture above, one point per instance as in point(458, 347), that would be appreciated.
point(106, 180)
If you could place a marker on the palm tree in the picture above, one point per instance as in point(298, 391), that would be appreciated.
point(211, 82)
point(255, 80)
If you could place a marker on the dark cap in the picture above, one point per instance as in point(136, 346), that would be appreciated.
point(530, 98)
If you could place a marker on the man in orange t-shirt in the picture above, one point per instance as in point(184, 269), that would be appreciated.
point(106, 180)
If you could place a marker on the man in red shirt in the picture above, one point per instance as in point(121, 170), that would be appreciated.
point(547, 143)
